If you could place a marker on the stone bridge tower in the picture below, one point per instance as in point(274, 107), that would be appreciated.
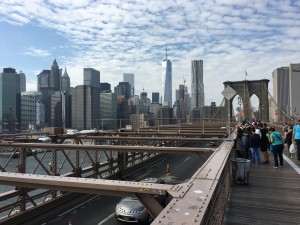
point(245, 89)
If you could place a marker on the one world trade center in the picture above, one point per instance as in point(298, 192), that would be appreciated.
point(167, 81)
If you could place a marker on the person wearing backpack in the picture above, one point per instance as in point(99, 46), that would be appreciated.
point(245, 143)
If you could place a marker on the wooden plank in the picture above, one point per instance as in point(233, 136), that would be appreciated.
point(271, 197)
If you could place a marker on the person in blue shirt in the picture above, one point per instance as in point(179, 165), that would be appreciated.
point(276, 142)
point(296, 138)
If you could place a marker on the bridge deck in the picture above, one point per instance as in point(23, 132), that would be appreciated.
point(272, 196)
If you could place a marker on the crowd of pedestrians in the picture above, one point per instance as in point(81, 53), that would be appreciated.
point(256, 137)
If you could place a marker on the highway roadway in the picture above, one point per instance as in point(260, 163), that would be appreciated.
point(99, 210)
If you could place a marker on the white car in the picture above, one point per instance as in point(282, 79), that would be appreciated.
point(131, 210)
point(45, 139)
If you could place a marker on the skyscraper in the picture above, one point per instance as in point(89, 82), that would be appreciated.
point(281, 91)
point(10, 100)
point(105, 87)
point(123, 89)
point(197, 84)
point(286, 92)
point(66, 100)
point(294, 77)
point(43, 82)
point(49, 84)
point(91, 77)
point(85, 107)
point(22, 81)
point(32, 111)
point(108, 110)
point(123, 92)
point(181, 92)
point(65, 82)
point(55, 76)
point(129, 77)
point(167, 81)
point(50, 80)
point(155, 97)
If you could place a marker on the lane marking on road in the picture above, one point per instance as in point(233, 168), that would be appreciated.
point(188, 158)
point(292, 164)
point(106, 219)
point(77, 206)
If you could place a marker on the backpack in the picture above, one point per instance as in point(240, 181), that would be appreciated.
point(245, 142)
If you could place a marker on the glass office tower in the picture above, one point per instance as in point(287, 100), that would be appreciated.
point(197, 85)
point(167, 82)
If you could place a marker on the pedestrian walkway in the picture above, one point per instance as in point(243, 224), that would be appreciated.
point(272, 196)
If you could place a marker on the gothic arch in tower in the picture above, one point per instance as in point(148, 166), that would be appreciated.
point(245, 89)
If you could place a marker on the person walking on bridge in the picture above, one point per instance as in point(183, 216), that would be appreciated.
point(276, 146)
point(245, 141)
point(264, 141)
point(289, 137)
point(254, 146)
point(296, 138)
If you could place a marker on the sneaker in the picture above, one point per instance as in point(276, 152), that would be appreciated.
point(281, 166)
point(276, 167)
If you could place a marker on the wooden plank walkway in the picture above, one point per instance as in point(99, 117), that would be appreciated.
point(272, 196)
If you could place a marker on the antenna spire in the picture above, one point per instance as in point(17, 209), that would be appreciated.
point(166, 52)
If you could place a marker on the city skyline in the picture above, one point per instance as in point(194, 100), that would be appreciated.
point(130, 37)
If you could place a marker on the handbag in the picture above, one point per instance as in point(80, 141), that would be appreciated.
point(292, 148)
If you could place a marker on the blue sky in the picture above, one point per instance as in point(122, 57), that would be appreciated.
point(119, 36)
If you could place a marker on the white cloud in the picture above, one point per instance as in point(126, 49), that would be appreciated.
point(69, 3)
point(130, 36)
point(36, 52)
point(18, 18)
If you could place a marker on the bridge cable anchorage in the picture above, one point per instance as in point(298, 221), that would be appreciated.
point(272, 99)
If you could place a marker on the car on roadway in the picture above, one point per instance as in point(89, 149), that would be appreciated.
point(131, 210)
point(45, 139)
point(212, 143)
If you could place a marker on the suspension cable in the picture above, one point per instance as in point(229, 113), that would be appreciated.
point(272, 99)
point(217, 110)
